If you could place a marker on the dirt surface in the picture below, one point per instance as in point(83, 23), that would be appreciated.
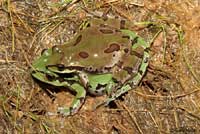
point(166, 101)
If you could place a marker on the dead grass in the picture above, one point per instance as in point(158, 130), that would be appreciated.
point(166, 101)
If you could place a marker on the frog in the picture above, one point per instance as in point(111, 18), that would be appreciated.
point(105, 57)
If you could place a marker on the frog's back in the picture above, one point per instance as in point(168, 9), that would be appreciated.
point(97, 48)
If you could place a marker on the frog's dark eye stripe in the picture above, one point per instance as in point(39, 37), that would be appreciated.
point(136, 54)
point(122, 24)
point(78, 40)
point(83, 54)
point(112, 47)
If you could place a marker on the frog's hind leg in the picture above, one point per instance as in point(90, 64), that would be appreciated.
point(76, 103)
point(132, 82)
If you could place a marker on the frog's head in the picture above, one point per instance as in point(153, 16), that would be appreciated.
point(39, 69)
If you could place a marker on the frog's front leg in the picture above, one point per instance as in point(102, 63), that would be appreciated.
point(77, 102)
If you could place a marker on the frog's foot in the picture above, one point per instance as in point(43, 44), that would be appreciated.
point(77, 102)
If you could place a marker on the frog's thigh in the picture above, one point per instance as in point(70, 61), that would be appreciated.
point(77, 102)
point(132, 83)
point(128, 84)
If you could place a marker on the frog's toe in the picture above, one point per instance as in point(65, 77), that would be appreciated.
point(77, 101)
point(75, 106)
point(64, 111)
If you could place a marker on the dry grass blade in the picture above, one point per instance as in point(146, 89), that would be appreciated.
point(133, 118)
point(12, 24)
point(181, 40)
